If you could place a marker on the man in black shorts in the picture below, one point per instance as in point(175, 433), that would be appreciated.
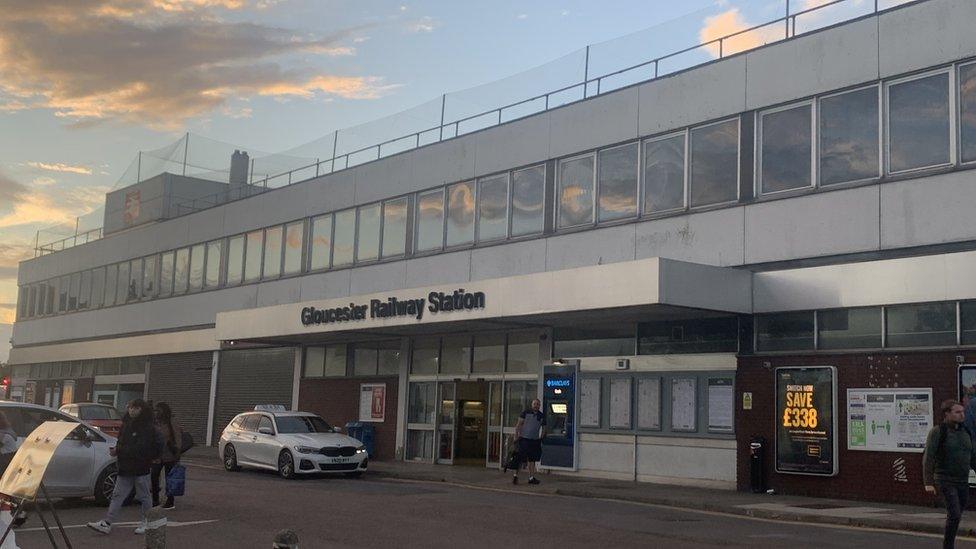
point(529, 431)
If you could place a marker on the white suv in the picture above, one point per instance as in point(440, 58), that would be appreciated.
point(289, 442)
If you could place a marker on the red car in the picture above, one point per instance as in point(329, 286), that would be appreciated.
point(106, 418)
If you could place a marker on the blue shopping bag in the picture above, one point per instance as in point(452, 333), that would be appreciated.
point(176, 481)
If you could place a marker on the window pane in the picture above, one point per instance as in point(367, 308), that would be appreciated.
point(135, 279)
point(122, 290)
point(430, 221)
point(456, 354)
point(321, 245)
point(272, 252)
point(460, 213)
point(618, 182)
point(967, 111)
point(664, 174)
point(149, 277)
point(166, 273)
point(212, 278)
point(74, 284)
point(967, 310)
point(528, 197)
point(785, 331)
point(699, 335)
point(294, 244)
point(345, 238)
point(596, 341)
point(314, 361)
point(63, 284)
point(31, 302)
point(849, 136)
point(98, 287)
point(523, 352)
point(922, 325)
point(424, 356)
point(389, 357)
point(181, 273)
point(918, 123)
point(368, 245)
point(849, 328)
point(52, 292)
point(22, 300)
point(493, 207)
point(84, 292)
point(111, 275)
point(197, 254)
point(787, 141)
point(575, 191)
point(252, 256)
point(335, 360)
point(394, 227)
point(715, 163)
point(489, 354)
point(364, 360)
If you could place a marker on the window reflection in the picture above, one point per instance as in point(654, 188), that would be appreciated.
point(787, 143)
point(321, 244)
point(368, 247)
point(918, 123)
point(272, 252)
point(618, 182)
point(575, 191)
point(197, 254)
point(460, 213)
point(252, 256)
point(849, 136)
point(715, 163)
point(345, 238)
point(235, 260)
point(294, 240)
point(967, 111)
point(493, 207)
point(528, 197)
point(664, 174)
point(430, 221)
point(394, 227)
point(212, 278)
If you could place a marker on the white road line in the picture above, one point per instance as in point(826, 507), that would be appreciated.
point(172, 523)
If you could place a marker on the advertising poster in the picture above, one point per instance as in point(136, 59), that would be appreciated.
point(888, 420)
point(684, 404)
point(806, 420)
point(721, 402)
point(967, 396)
point(372, 401)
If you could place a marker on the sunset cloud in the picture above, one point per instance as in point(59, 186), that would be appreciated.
point(61, 167)
point(730, 22)
point(25, 206)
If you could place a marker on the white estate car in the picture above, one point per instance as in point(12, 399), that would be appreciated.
point(289, 442)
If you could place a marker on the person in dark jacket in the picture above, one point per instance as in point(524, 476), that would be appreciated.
point(949, 456)
point(172, 437)
point(138, 446)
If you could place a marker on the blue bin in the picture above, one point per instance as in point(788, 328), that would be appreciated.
point(363, 432)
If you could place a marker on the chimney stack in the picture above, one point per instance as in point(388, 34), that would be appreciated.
point(239, 164)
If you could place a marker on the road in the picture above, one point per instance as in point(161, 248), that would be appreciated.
point(245, 509)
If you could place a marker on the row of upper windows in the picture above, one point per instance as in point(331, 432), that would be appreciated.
point(927, 121)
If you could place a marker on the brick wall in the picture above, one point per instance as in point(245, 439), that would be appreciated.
point(862, 475)
point(337, 401)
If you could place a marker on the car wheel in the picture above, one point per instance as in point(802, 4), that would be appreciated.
point(105, 486)
point(286, 465)
point(230, 459)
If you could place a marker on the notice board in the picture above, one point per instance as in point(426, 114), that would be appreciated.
point(806, 400)
point(888, 420)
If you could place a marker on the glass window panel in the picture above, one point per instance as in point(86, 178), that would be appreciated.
point(22, 301)
point(73, 287)
point(849, 328)
point(430, 220)
point(967, 310)
point(849, 136)
point(785, 331)
point(967, 111)
point(918, 123)
point(460, 213)
point(272, 252)
point(714, 163)
point(364, 360)
point(493, 207)
point(149, 275)
point(252, 255)
point(787, 145)
point(528, 200)
point(335, 361)
point(135, 279)
point(456, 354)
point(421, 407)
point(575, 191)
point(212, 276)
point(235, 260)
point(699, 335)
point(321, 246)
point(424, 356)
point(122, 290)
point(42, 293)
point(618, 182)
point(523, 352)
point(388, 357)
point(181, 272)
point(664, 174)
point(31, 302)
point(394, 227)
point(197, 258)
point(489, 354)
point(368, 244)
point(294, 244)
point(52, 292)
point(314, 361)
point(166, 265)
point(98, 287)
point(345, 238)
point(63, 284)
point(594, 341)
point(921, 325)
point(111, 276)
point(84, 291)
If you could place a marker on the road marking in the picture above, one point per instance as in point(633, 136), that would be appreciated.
point(172, 523)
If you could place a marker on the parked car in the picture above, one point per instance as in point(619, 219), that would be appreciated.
point(81, 466)
point(290, 443)
point(102, 416)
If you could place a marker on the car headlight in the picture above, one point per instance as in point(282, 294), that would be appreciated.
point(360, 449)
point(306, 449)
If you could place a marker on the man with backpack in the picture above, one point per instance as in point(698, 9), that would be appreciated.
point(949, 456)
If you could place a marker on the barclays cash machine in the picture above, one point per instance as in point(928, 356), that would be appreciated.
point(559, 406)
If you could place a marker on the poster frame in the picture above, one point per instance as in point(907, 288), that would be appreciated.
point(835, 461)
point(895, 390)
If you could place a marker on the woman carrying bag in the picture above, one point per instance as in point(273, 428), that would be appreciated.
point(169, 458)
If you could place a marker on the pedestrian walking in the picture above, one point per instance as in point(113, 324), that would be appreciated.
point(172, 437)
point(137, 447)
point(948, 458)
point(529, 431)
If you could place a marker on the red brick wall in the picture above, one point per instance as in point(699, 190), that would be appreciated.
point(337, 401)
point(862, 475)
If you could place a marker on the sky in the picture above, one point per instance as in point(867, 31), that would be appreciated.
point(86, 84)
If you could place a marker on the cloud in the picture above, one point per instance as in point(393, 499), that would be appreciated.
point(424, 24)
point(522, 16)
point(11, 255)
point(61, 167)
point(43, 181)
point(158, 62)
point(729, 22)
point(25, 206)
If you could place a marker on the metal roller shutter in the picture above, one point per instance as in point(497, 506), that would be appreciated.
point(183, 382)
point(249, 377)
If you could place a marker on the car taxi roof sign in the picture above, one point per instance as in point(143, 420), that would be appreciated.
point(269, 408)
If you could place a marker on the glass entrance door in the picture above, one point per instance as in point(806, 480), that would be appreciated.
point(493, 453)
point(446, 421)
point(518, 398)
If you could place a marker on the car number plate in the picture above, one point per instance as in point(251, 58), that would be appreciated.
point(340, 460)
